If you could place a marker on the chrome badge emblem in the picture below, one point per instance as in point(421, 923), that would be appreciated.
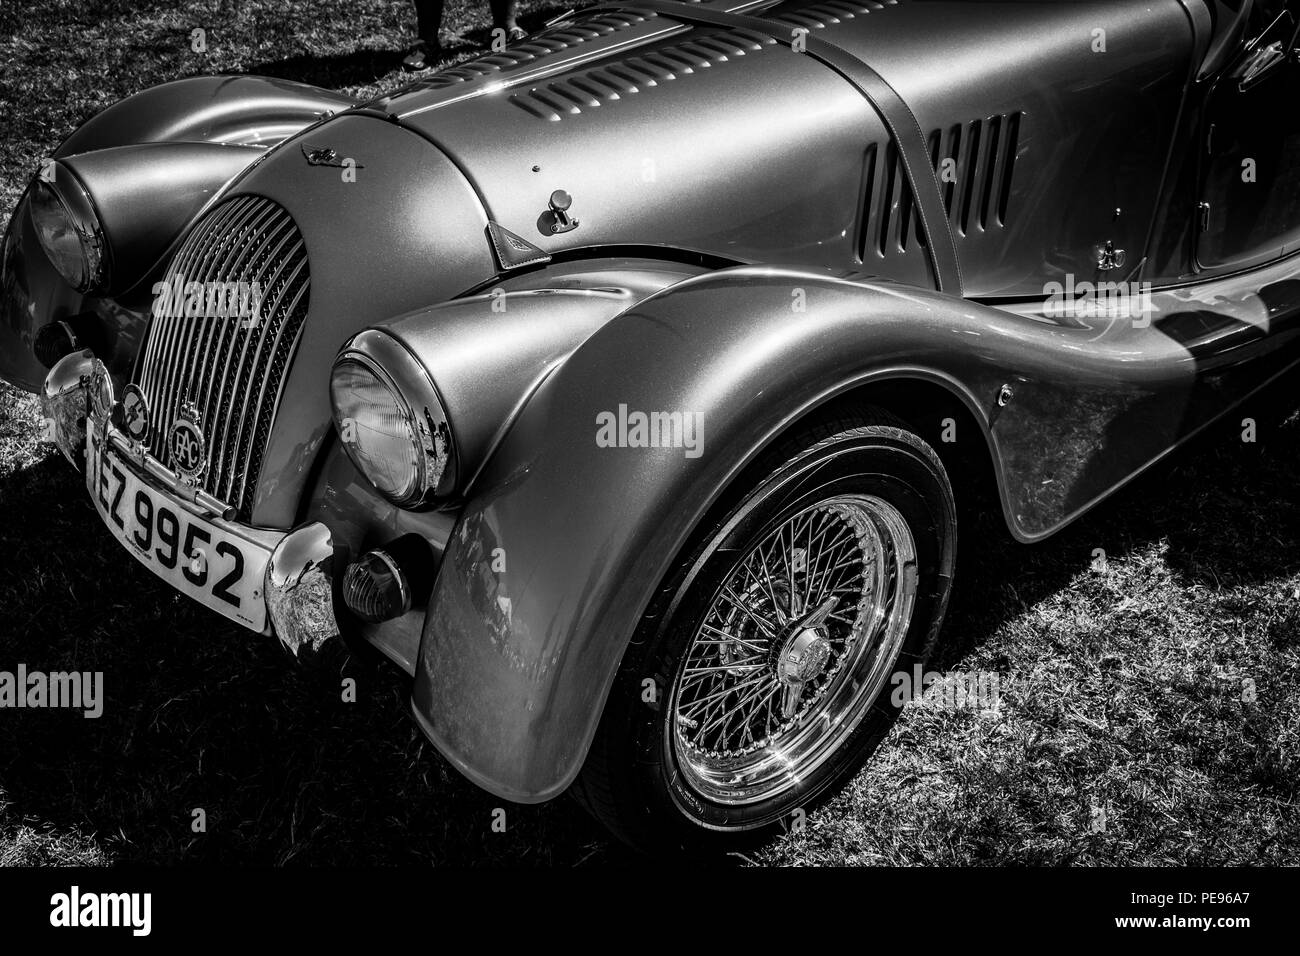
point(135, 413)
point(325, 156)
point(189, 456)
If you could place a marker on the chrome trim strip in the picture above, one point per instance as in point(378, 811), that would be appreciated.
point(403, 587)
point(171, 482)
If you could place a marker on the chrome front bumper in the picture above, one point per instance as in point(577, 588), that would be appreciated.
point(299, 585)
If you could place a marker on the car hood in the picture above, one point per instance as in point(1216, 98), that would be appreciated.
point(723, 141)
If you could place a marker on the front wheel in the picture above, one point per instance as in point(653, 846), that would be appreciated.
point(758, 681)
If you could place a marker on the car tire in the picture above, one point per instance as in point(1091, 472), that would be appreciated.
point(666, 771)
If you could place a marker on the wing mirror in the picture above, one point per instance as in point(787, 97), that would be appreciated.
point(1262, 58)
point(1259, 63)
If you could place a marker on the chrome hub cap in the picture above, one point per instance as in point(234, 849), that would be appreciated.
point(803, 655)
point(797, 643)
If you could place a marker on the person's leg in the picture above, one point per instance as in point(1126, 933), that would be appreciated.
point(428, 18)
point(503, 16)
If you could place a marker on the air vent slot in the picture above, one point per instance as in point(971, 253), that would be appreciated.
point(974, 163)
point(563, 36)
point(610, 82)
point(823, 15)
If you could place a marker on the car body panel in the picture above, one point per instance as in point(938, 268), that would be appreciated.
point(514, 666)
point(1028, 203)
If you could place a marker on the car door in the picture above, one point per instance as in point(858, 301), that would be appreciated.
point(1249, 209)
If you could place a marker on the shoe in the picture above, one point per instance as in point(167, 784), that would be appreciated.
point(422, 56)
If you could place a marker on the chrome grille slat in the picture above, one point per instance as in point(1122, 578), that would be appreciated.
point(152, 367)
point(192, 271)
point(245, 370)
point(220, 330)
point(172, 346)
point(225, 392)
point(195, 328)
point(259, 373)
point(207, 271)
point(234, 374)
point(260, 407)
point(220, 399)
point(164, 331)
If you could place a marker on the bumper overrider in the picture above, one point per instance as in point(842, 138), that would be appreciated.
point(169, 524)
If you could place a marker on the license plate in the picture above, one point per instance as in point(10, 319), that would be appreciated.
point(218, 568)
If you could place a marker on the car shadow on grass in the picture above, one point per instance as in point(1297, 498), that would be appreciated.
point(364, 67)
point(203, 716)
point(1226, 508)
point(332, 71)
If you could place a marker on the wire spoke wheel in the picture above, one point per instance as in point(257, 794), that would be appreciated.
point(825, 567)
point(793, 649)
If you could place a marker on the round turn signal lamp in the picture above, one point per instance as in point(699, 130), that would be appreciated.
point(386, 583)
point(375, 589)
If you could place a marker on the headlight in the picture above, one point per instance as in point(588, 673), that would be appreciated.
point(391, 421)
point(69, 231)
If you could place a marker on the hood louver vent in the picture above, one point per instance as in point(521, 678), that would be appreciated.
point(612, 81)
point(974, 161)
point(822, 15)
point(562, 37)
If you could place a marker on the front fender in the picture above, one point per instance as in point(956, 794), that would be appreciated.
point(151, 162)
point(553, 562)
point(230, 110)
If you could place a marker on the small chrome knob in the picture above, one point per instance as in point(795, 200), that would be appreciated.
point(556, 219)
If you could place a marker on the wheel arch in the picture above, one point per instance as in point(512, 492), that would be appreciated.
point(516, 661)
point(939, 411)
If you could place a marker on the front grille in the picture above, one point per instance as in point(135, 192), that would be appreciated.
point(230, 367)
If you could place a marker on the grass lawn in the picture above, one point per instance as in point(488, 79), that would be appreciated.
point(1150, 701)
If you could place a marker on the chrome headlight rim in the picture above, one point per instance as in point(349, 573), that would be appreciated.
point(409, 382)
point(67, 191)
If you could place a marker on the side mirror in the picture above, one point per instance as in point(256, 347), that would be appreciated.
point(1259, 59)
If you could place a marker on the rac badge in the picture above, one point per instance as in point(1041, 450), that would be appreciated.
point(186, 443)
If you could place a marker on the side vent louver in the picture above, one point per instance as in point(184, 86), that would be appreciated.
point(637, 73)
point(974, 162)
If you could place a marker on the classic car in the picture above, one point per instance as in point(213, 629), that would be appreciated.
point(623, 386)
